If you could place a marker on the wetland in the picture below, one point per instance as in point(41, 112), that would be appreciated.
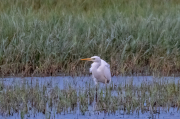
point(40, 39)
point(68, 97)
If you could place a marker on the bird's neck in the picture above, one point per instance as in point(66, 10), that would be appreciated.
point(95, 70)
point(96, 65)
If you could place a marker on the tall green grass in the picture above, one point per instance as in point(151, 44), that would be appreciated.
point(50, 36)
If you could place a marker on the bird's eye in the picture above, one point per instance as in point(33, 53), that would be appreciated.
point(93, 58)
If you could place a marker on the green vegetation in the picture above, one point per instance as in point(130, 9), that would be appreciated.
point(43, 37)
point(29, 99)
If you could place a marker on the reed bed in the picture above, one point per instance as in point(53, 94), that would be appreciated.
point(25, 99)
point(47, 37)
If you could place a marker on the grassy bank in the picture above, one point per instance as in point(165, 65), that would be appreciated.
point(50, 36)
point(27, 99)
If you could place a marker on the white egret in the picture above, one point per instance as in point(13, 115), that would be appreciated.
point(100, 70)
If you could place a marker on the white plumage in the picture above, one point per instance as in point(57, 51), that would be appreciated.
point(100, 70)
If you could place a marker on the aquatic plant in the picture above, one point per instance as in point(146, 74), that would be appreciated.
point(160, 95)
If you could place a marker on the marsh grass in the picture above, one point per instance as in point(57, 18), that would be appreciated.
point(47, 37)
point(114, 99)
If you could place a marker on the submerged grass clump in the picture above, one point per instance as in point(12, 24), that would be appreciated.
point(29, 100)
point(47, 37)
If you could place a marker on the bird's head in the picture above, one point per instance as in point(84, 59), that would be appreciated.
point(93, 59)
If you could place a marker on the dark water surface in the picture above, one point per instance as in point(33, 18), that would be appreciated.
point(80, 82)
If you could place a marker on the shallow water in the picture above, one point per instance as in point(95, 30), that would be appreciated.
point(80, 82)
point(170, 115)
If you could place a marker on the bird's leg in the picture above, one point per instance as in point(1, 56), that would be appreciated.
point(96, 92)
point(106, 86)
point(106, 89)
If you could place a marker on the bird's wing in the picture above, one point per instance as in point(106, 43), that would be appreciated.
point(106, 70)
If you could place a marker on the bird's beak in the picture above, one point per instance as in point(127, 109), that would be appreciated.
point(88, 59)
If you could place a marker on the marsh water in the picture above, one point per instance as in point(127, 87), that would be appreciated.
point(85, 83)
